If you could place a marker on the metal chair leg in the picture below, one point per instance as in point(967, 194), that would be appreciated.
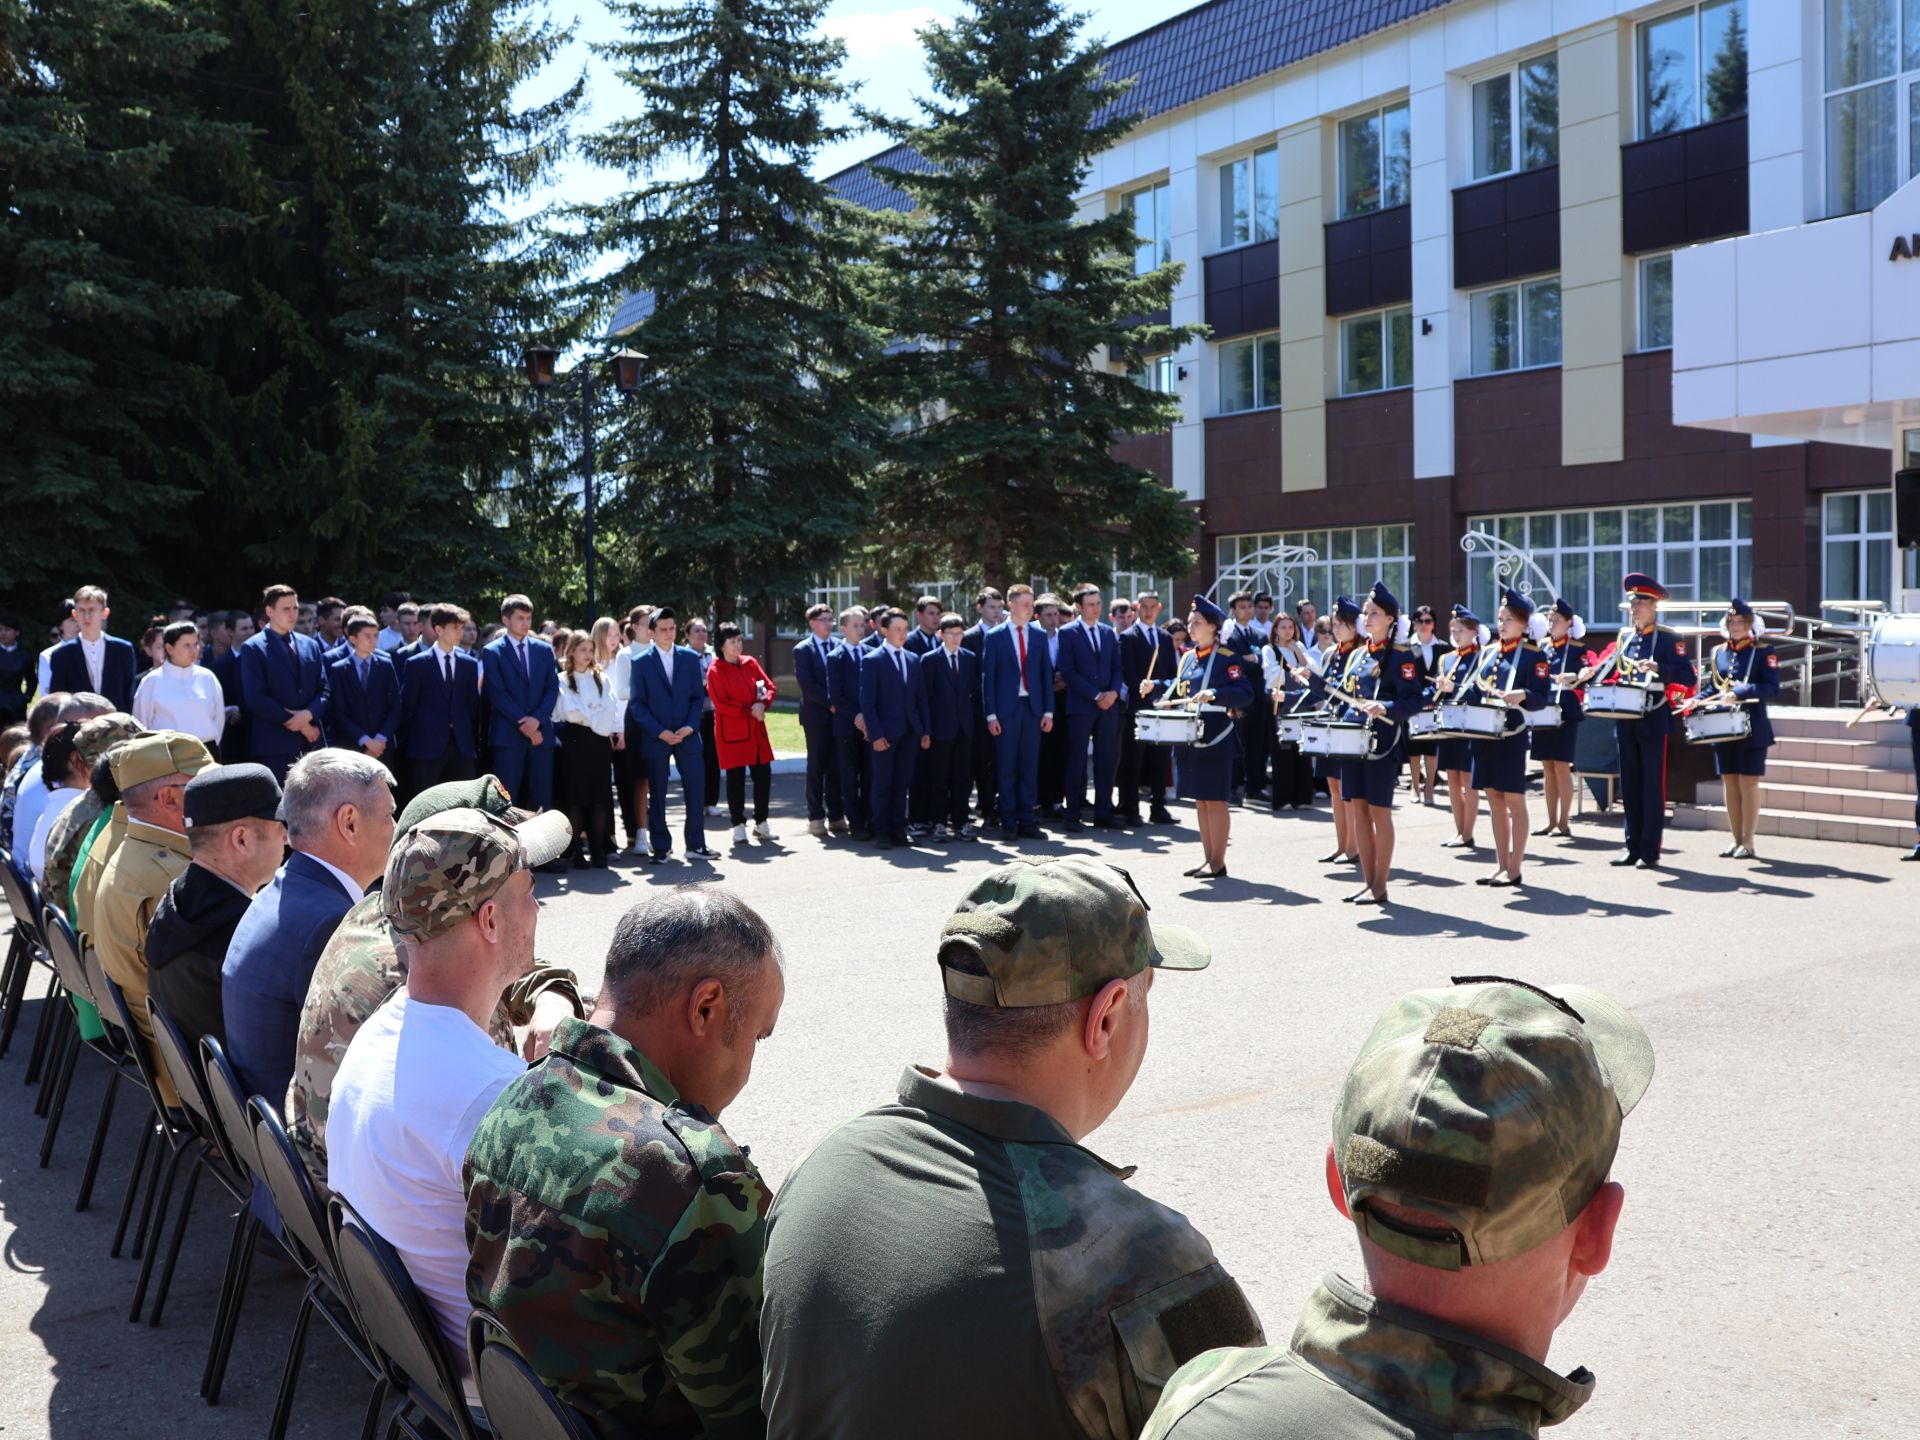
point(225, 1341)
point(13, 986)
point(290, 1372)
point(174, 1162)
point(153, 1191)
point(133, 1189)
point(179, 1234)
point(42, 1033)
point(374, 1404)
point(61, 1089)
point(102, 1127)
point(241, 1223)
point(63, 1032)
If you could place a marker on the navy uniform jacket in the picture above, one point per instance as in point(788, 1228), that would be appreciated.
point(952, 700)
point(1566, 658)
point(1455, 665)
point(68, 670)
point(1525, 668)
point(1389, 673)
point(974, 639)
point(894, 707)
point(16, 680)
point(655, 705)
point(1000, 671)
point(810, 671)
point(1088, 674)
point(843, 686)
point(920, 642)
point(279, 675)
point(1668, 652)
point(1754, 670)
point(1236, 680)
point(357, 712)
point(431, 712)
point(1146, 653)
point(514, 694)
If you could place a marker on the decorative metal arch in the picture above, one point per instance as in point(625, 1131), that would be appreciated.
point(1511, 566)
point(1264, 569)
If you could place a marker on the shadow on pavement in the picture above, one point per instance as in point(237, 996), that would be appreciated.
point(1400, 920)
point(1532, 900)
point(1700, 882)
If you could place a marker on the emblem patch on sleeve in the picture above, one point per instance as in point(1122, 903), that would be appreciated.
point(1680, 648)
point(1773, 661)
point(1408, 671)
point(1540, 669)
point(1233, 672)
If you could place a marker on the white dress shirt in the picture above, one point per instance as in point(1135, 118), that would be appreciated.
point(57, 803)
point(347, 882)
point(581, 702)
point(94, 652)
point(181, 697)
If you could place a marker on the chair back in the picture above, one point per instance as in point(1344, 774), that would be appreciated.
point(63, 946)
point(398, 1322)
point(133, 1044)
point(518, 1403)
point(302, 1215)
point(178, 1059)
point(229, 1105)
point(22, 900)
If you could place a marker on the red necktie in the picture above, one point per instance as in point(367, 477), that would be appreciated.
point(1020, 638)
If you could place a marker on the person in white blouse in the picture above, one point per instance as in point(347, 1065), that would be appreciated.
point(181, 693)
point(590, 713)
point(1283, 655)
point(66, 772)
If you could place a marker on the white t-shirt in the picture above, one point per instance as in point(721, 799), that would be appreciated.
point(410, 1092)
point(57, 803)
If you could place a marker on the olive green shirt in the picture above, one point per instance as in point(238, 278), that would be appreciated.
point(957, 1265)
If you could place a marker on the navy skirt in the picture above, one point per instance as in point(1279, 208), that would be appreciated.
point(1500, 764)
point(1373, 781)
point(1747, 758)
point(1205, 772)
point(1556, 744)
point(1456, 755)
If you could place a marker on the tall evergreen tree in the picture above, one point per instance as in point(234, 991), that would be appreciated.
point(1011, 302)
point(736, 468)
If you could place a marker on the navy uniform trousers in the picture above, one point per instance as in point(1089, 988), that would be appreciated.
point(1643, 784)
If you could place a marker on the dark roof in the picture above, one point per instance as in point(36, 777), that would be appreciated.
point(1202, 51)
point(634, 307)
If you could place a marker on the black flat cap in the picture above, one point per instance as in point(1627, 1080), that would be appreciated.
point(232, 792)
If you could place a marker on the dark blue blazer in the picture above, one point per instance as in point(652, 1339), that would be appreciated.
point(655, 705)
point(68, 669)
point(919, 642)
point(952, 701)
point(1000, 671)
point(16, 679)
point(353, 711)
point(513, 695)
point(277, 680)
point(1088, 674)
point(893, 707)
point(974, 639)
point(843, 686)
point(269, 965)
point(810, 670)
point(1142, 659)
point(431, 713)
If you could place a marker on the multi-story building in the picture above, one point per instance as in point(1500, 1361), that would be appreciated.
point(1435, 246)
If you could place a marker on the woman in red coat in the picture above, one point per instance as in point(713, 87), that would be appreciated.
point(741, 693)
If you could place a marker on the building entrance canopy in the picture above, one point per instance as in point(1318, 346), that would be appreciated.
point(1808, 333)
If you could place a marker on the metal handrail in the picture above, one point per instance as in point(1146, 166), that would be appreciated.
point(1815, 653)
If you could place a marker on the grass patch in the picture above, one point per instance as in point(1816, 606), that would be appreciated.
point(783, 728)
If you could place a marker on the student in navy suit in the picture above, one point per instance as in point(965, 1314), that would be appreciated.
point(364, 691)
point(93, 660)
point(1090, 660)
point(16, 672)
point(825, 809)
point(523, 684)
point(439, 702)
point(285, 684)
point(669, 694)
point(989, 606)
point(849, 739)
point(924, 638)
point(951, 676)
point(1016, 687)
point(893, 707)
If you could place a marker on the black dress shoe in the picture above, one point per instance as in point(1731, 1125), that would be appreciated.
point(1128, 817)
point(1008, 836)
point(902, 838)
point(1646, 865)
point(1165, 817)
point(1195, 872)
point(863, 833)
point(1112, 822)
point(1913, 854)
point(1071, 824)
point(1623, 860)
point(703, 852)
point(885, 842)
point(1031, 832)
point(1370, 899)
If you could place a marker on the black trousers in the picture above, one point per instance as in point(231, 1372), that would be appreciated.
point(737, 792)
point(1914, 734)
point(417, 774)
point(853, 752)
point(986, 769)
point(1256, 732)
point(1643, 787)
point(823, 775)
point(1052, 785)
point(1292, 775)
point(948, 767)
point(583, 776)
point(710, 757)
point(629, 769)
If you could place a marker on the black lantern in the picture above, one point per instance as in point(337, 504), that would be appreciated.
point(539, 361)
point(625, 364)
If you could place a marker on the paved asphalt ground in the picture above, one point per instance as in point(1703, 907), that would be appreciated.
point(1766, 1280)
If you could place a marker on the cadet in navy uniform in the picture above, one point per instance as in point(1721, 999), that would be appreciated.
point(1219, 681)
point(952, 676)
point(1016, 684)
point(893, 703)
point(1090, 660)
point(1554, 748)
point(523, 685)
point(1343, 620)
point(1384, 676)
point(989, 606)
point(365, 691)
point(1147, 663)
point(285, 685)
point(1744, 670)
point(439, 708)
point(850, 745)
point(1512, 675)
point(824, 808)
point(1452, 673)
point(1658, 653)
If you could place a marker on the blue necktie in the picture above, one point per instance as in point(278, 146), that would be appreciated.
point(526, 671)
point(362, 668)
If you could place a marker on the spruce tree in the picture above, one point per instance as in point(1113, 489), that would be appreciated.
point(1007, 304)
point(734, 473)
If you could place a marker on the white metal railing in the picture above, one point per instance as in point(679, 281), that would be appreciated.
point(1821, 660)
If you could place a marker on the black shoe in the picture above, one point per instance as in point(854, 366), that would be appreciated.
point(1624, 858)
point(580, 862)
point(1008, 835)
point(885, 842)
point(1165, 817)
point(1071, 824)
point(1219, 874)
point(902, 838)
point(1195, 873)
point(1913, 854)
point(1370, 899)
point(1646, 865)
point(656, 857)
point(1130, 818)
point(863, 834)
point(1031, 832)
point(1112, 822)
point(703, 852)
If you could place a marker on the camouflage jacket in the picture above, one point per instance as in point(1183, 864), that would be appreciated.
point(1360, 1367)
point(619, 1234)
point(361, 966)
point(63, 847)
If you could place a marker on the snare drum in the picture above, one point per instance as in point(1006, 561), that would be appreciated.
point(1718, 727)
point(1620, 702)
point(1288, 729)
point(1476, 722)
point(1345, 741)
point(1547, 717)
point(1168, 727)
point(1893, 661)
point(1424, 726)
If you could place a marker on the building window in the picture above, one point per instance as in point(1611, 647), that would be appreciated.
point(1376, 351)
point(1656, 302)
point(1376, 159)
point(1516, 327)
point(1693, 67)
point(1135, 583)
point(1250, 373)
point(1152, 212)
point(1516, 119)
point(1155, 373)
point(1872, 86)
point(836, 588)
point(1348, 562)
point(1250, 198)
point(1856, 549)
point(1699, 551)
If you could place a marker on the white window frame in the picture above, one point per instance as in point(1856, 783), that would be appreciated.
point(1251, 164)
point(1380, 112)
point(1642, 301)
point(1528, 361)
point(1700, 65)
point(1160, 206)
point(1515, 142)
point(1904, 82)
point(1134, 583)
point(1863, 539)
point(1156, 374)
point(1349, 560)
point(1384, 320)
point(1261, 401)
point(836, 588)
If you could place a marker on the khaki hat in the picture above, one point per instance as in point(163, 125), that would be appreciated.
point(1045, 932)
point(155, 755)
point(1492, 1105)
point(103, 732)
point(484, 793)
point(448, 866)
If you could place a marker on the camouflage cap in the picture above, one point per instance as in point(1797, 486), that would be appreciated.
point(447, 867)
point(156, 755)
point(1492, 1106)
point(486, 793)
point(103, 732)
point(1044, 932)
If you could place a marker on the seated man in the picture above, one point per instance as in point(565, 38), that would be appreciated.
point(96, 738)
point(364, 963)
point(626, 1262)
point(236, 838)
point(1471, 1147)
point(423, 1071)
point(955, 1263)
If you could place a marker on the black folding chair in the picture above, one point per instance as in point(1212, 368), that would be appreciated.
point(228, 1104)
point(27, 948)
point(304, 1226)
point(63, 949)
point(130, 1058)
point(406, 1337)
point(63, 1030)
point(517, 1401)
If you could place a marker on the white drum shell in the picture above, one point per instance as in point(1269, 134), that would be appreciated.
point(1481, 722)
point(1622, 702)
point(1717, 727)
point(1893, 661)
point(1548, 717)
point(1347, 741)
point(1167, 727)
point(1289, 731)
point(1424, 724)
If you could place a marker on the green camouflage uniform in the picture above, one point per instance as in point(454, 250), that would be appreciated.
point(618, 1233)
point(1491, 1109)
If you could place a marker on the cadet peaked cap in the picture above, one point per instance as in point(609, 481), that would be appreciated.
point(103, 732)
point(232, 792)
point(1208, 611)
point(1493, 1106)
point(487, 793)
point(444, 869)
point(155, 755)
point(1643, 587)
point(1044, 932)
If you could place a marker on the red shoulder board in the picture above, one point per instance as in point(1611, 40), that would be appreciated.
point(1773, 660)
point(1233, 672)
point(1540, 669)
point(1680, 648)
point(1409, 671)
